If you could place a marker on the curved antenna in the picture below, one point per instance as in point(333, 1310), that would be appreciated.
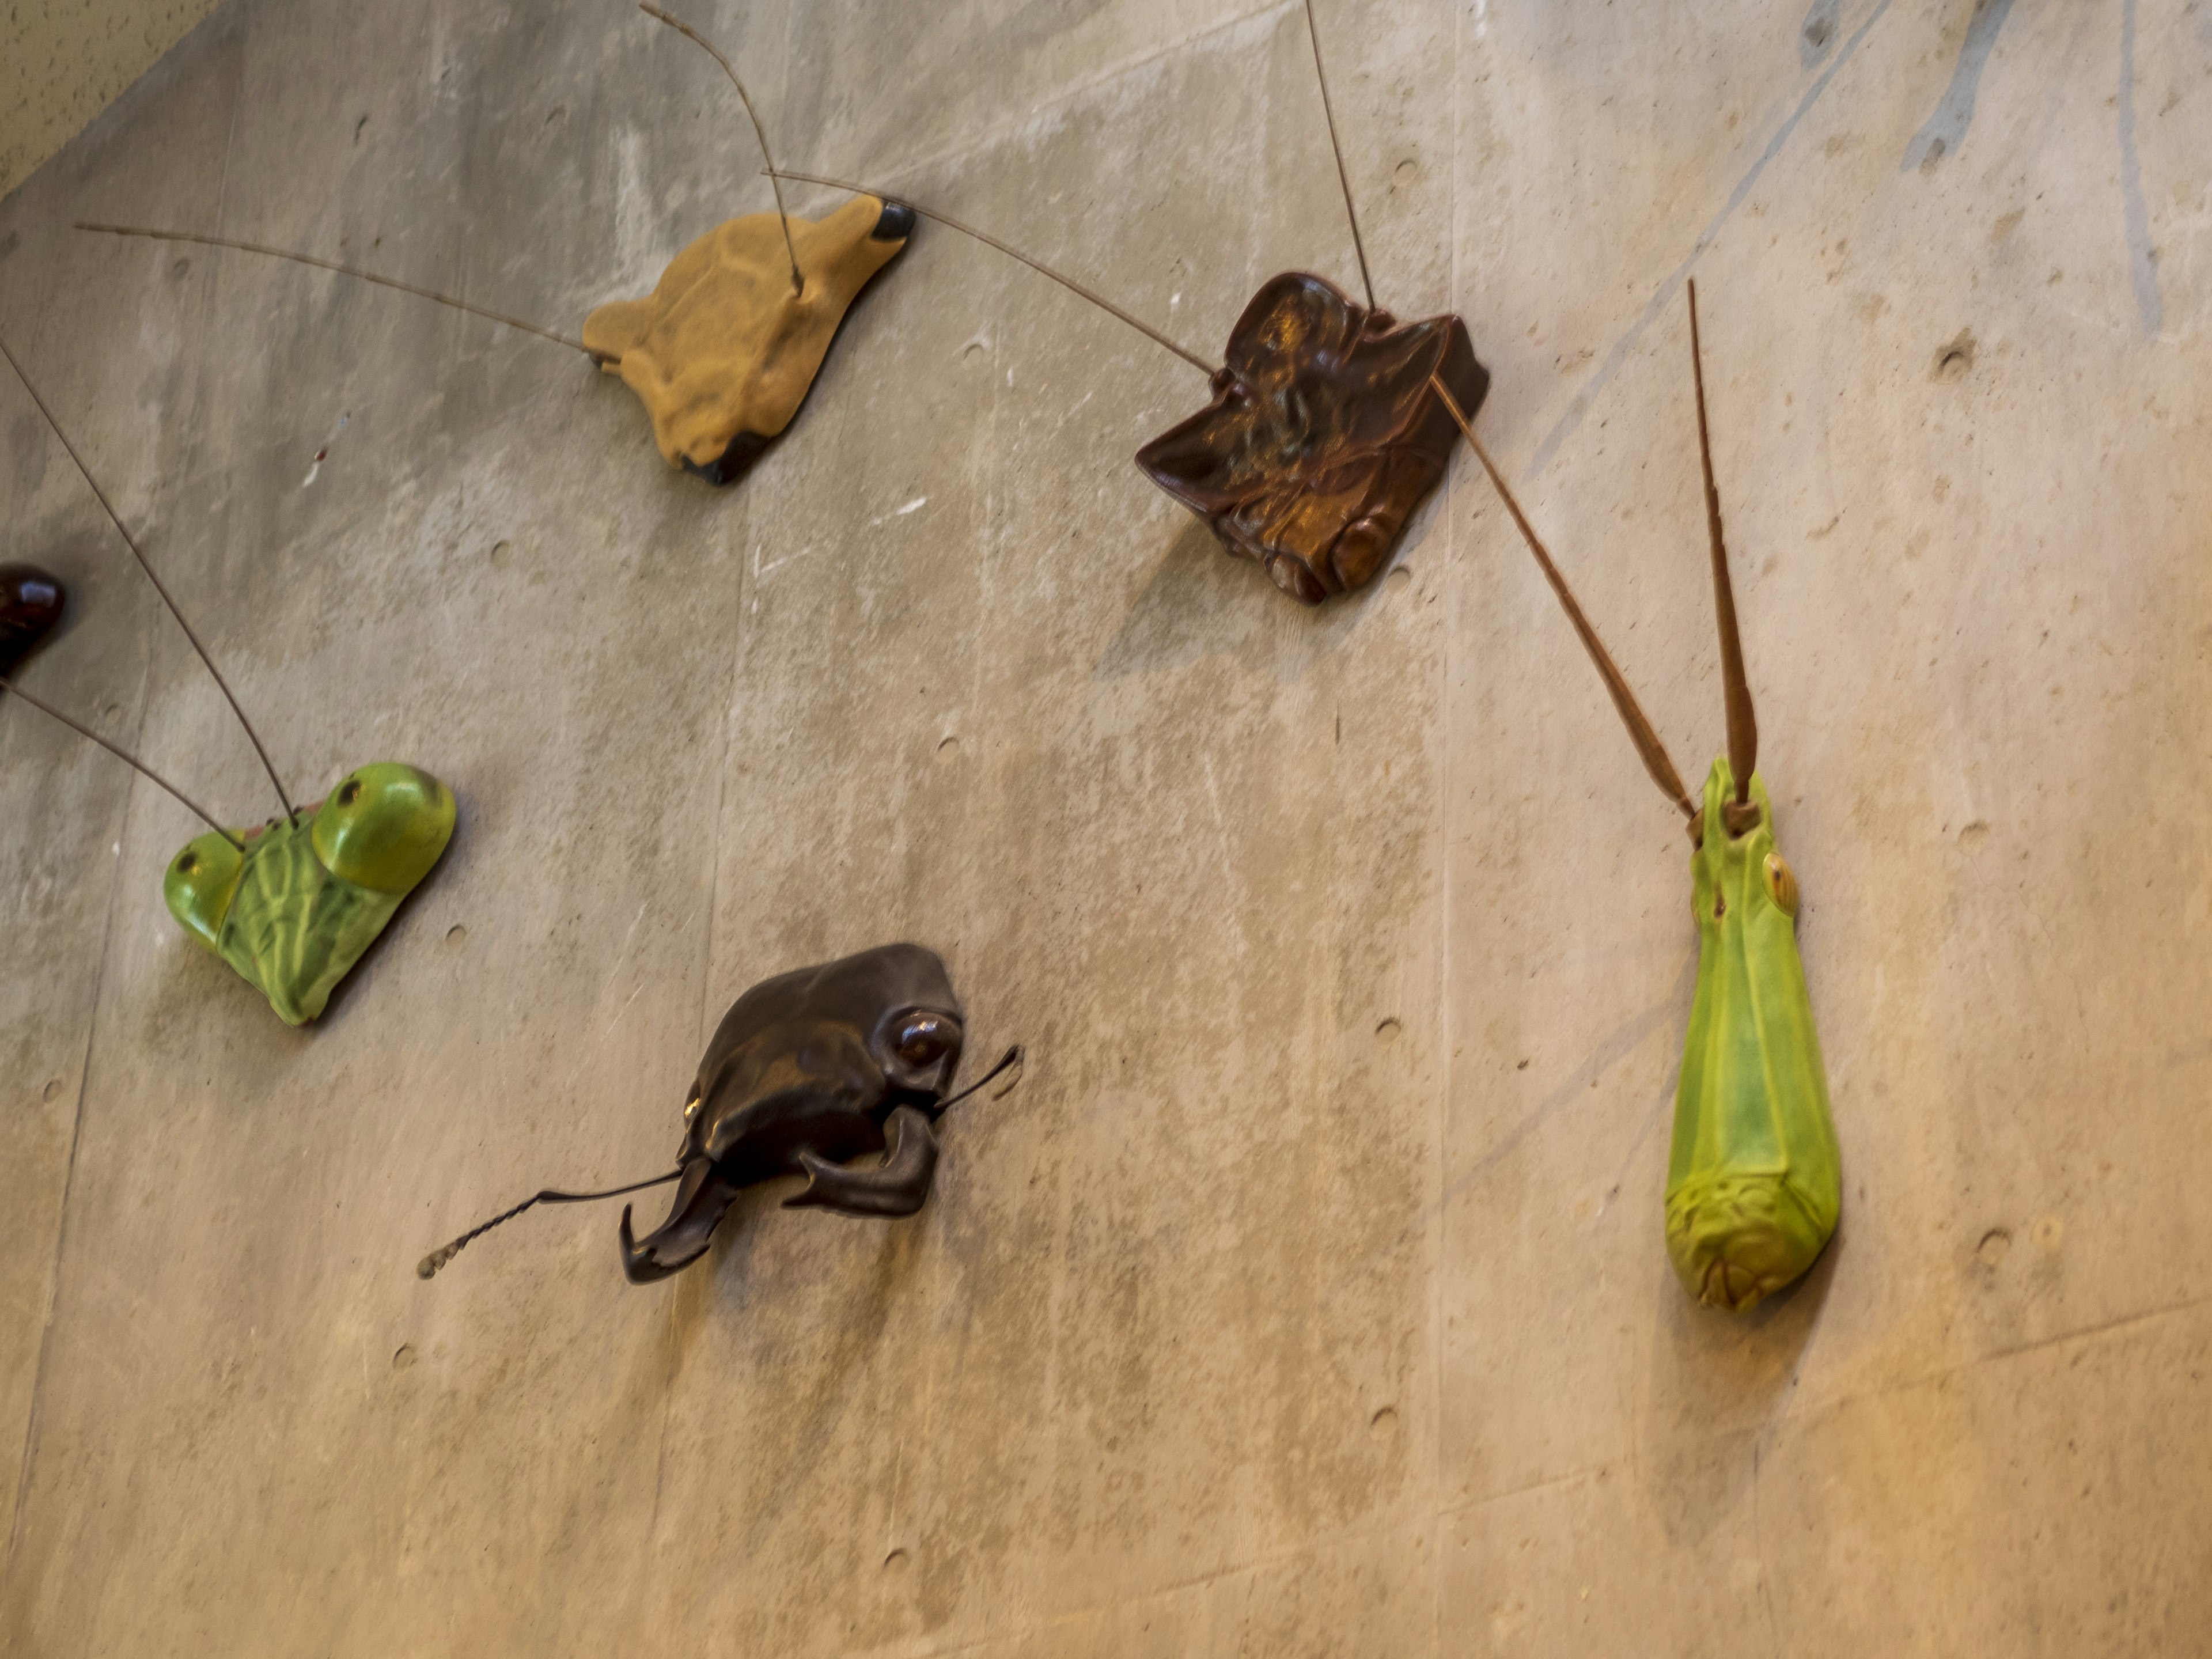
point(798, 284)
point(1043, 270)
point(1742, 723)
point(290, 811)
point(1011, 1057)
point(1640, 731)
point(348, 270)
point(124, 754)
point(1312, 34)
point(430, 1264)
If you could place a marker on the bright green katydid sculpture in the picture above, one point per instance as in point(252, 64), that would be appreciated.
point(1754, 1180)
point(293, 906)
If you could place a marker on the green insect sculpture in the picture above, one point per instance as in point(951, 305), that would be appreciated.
point(1754, 1179)
point(293, 904)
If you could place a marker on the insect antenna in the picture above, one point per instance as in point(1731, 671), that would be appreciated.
point(1640, 731)
point(430, 1264)
point(128, 541)
point(1312, 34)
point(347, 271)
point(1011, 1057)
point(1742, 724)
point(1041, 268)
point(124, 754)
point(775, 183)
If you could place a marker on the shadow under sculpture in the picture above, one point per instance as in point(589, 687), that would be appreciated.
point(807, 1072)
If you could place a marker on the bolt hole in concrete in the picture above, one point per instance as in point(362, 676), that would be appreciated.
point(971, 351)
point(1384, 1424)
point(112, 713)
point(1953, 359)
point(2048, 1232)
point(403, 1356)
point(896, 1563)
point(456, 936)
point(502, 553)
point(1407, 171)
point(52, 1088)
point(1389, 1029)
point(1399, 579)
point(948, 752)
point(1995, 1245)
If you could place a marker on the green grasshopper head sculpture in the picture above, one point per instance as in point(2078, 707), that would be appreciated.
point(1754, 1180)
point(296, 907)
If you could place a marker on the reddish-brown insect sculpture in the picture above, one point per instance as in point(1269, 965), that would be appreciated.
point(1324, 433)
point(808, 1072)
point(30, 605)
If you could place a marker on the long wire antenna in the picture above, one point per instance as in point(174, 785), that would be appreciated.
point(438, 1258)
point(797, 283)
point(124, 754)
point(252, 736)
point(1735, 687)
point(1312, 34)
point(1069, 282)
point(348, 270)
point(1640, 733)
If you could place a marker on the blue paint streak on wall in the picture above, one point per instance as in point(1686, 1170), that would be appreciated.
point(2149, 302)
point(1619, 355)
point(1946, 130)
point(1818, 32)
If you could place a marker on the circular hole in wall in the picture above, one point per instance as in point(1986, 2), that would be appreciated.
point(53, 1087)
point(948, 752)
point(1399, 579)
point(1384, 1424)
point(502, 553)
point(1389, 1030)
point(896, 1562)
point(456, 936)
point(1995, 1244)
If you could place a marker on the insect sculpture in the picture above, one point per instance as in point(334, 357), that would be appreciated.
point(1321, 437)
point(725, 348)
point(31, 603)
point(808, 1072)
point(293, 904)
point(1753, 1177)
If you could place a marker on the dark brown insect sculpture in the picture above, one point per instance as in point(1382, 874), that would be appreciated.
point(808, 1072)
point(724, 351)
point(1322, 436)
point(31, 603)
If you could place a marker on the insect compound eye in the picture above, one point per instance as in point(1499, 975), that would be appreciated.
point(1781, 884)
point(924, 1039)
point(350, 792)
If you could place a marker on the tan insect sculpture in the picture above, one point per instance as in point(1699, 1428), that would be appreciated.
point(724, 351)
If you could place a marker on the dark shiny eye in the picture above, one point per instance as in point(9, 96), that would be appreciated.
point(350, 794)
point(187, 864)
point(923, 1040)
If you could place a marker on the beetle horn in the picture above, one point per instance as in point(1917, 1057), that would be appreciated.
point(702, 1198)
point(896, 1186)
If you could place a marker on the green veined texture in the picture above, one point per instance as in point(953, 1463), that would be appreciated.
point(1754, 1179)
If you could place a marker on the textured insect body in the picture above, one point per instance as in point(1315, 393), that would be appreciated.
point(1324, 434)
point(1754, 1178)
point(723, 352)
point(297, 905)
point(808, 1072)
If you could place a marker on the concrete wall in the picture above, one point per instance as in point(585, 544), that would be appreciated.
point(1308, 1295)
point(63, 61)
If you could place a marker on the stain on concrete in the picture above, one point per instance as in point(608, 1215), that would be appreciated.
point(1945, 130)
point(2142, 257)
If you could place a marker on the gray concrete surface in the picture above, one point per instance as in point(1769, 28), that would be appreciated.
point(62, 62)
point(1307, 1296)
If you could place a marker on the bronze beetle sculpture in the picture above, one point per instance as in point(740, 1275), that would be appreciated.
point(808, 1072)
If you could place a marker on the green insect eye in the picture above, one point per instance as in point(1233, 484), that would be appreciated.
point(1781, 884)
point(350, 792)
point(188, 863)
